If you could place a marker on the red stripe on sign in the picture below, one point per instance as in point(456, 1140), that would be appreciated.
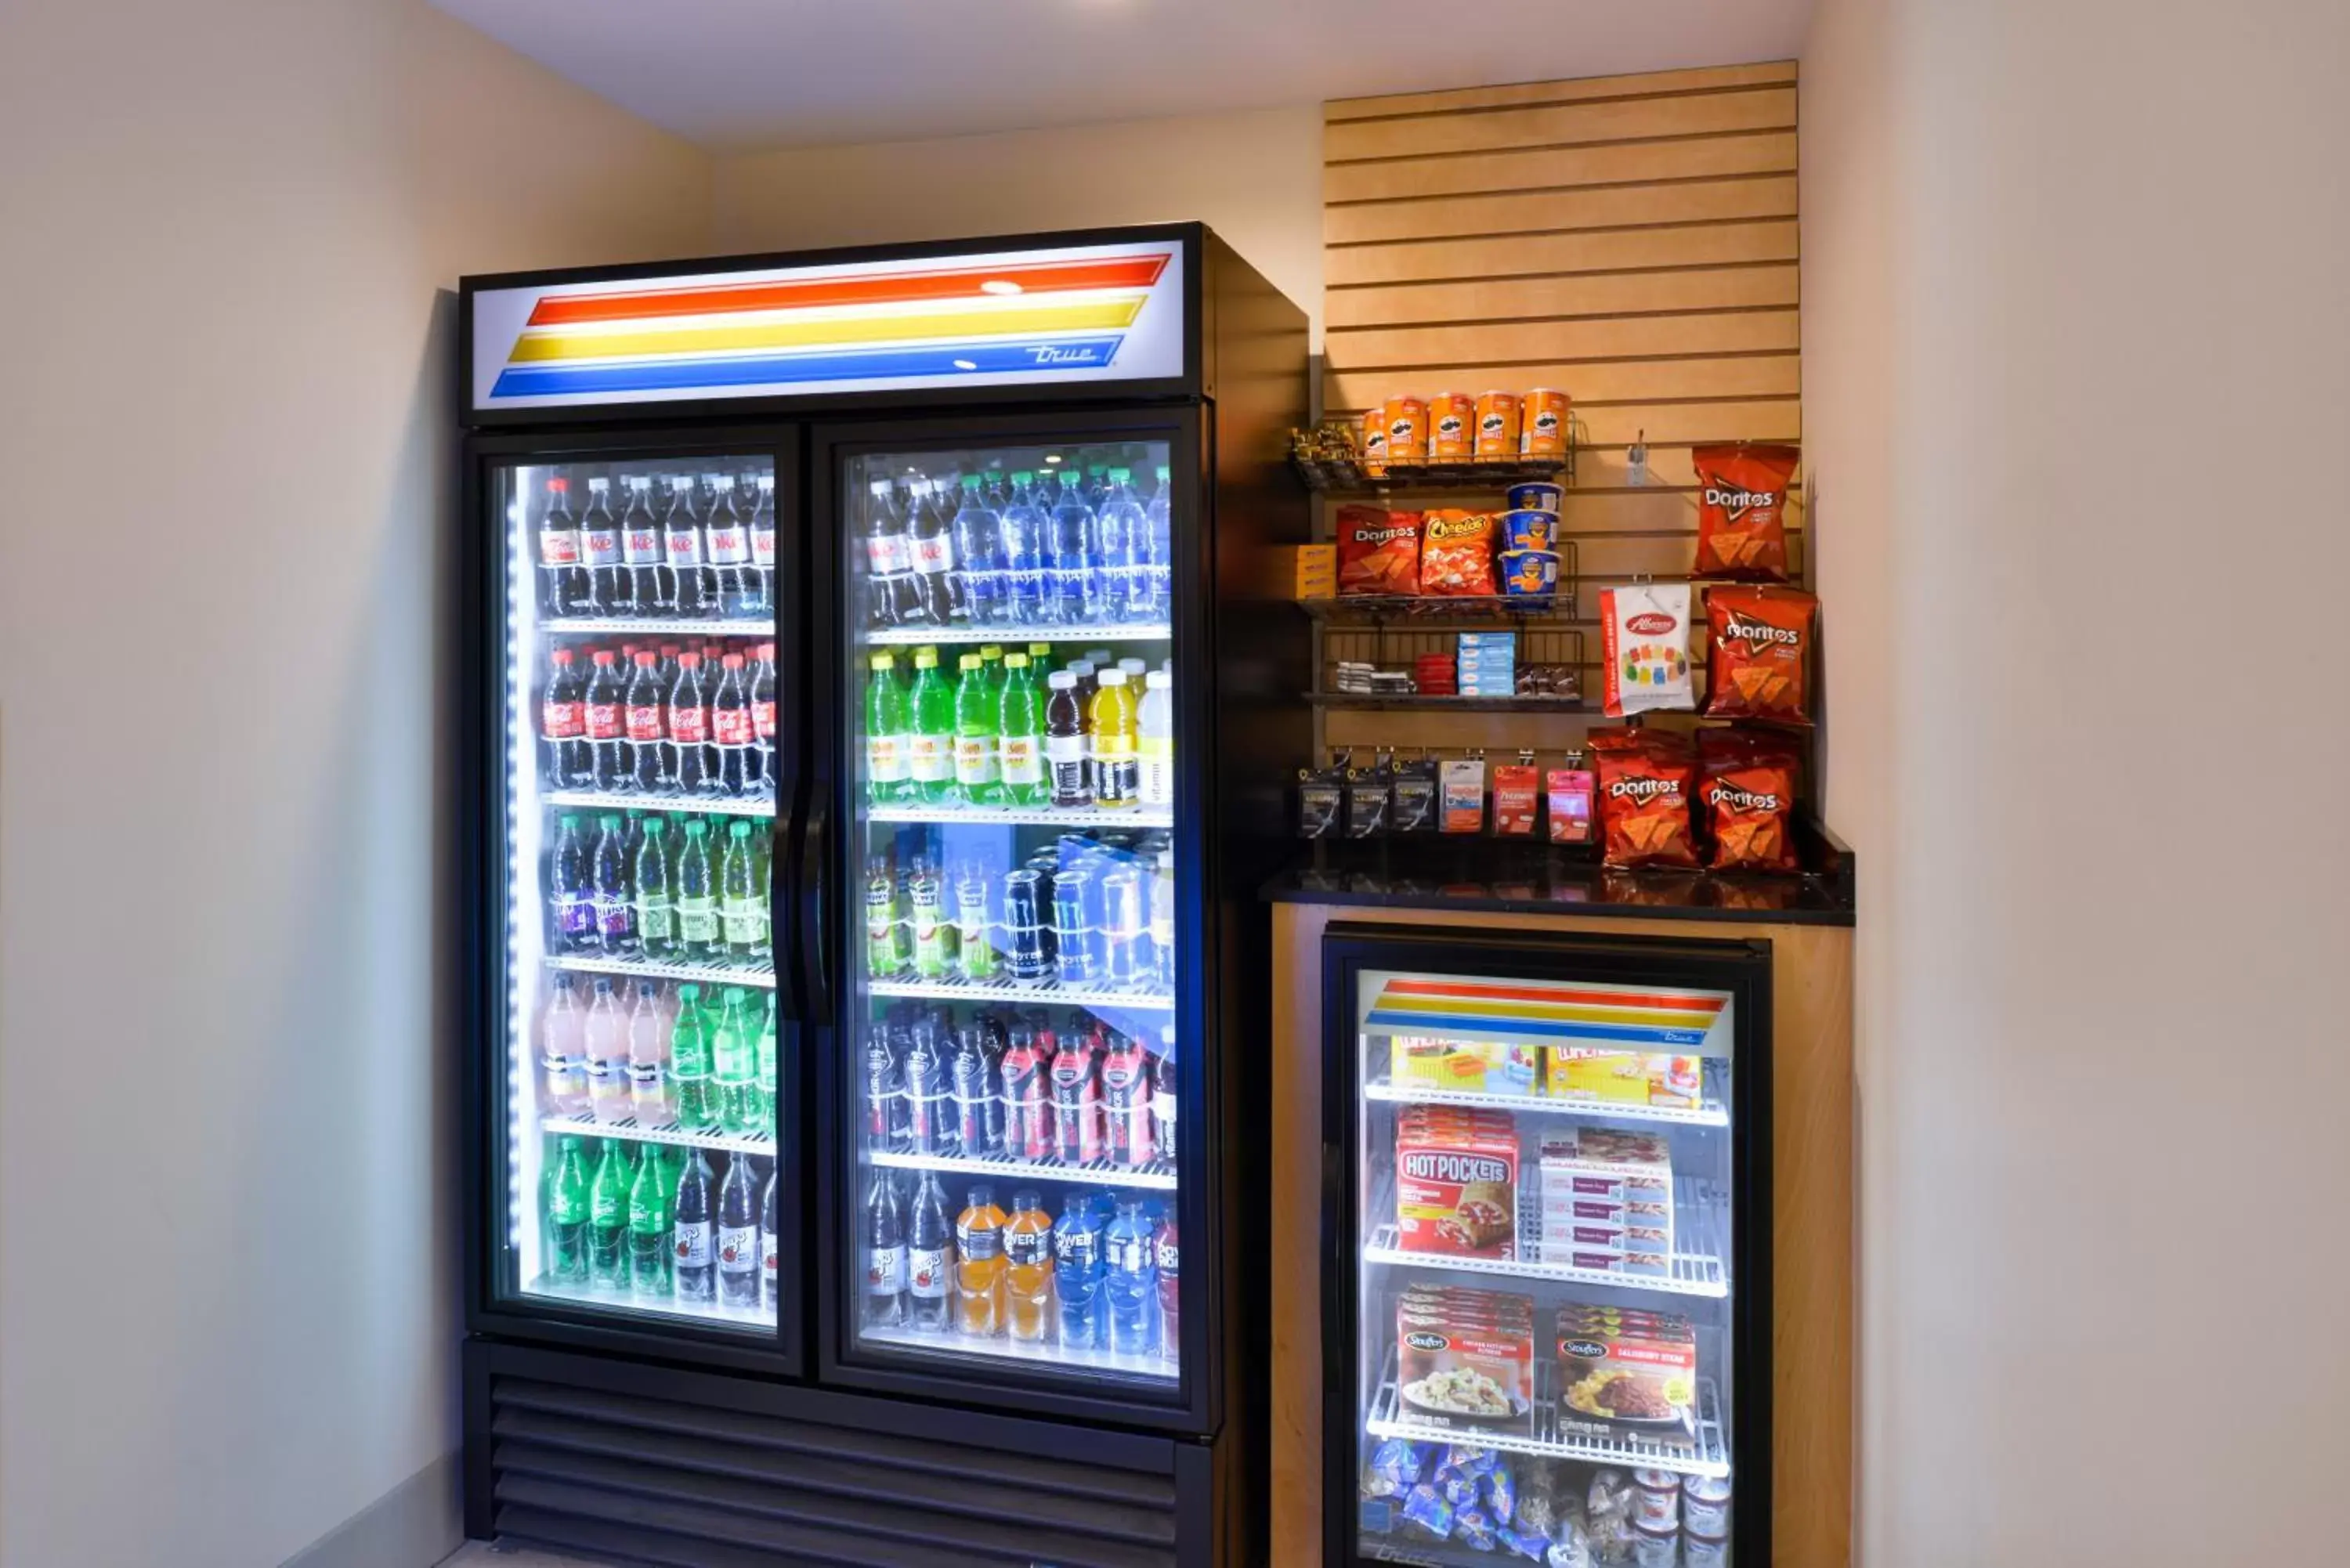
point(869, 289)
point(1528, 993)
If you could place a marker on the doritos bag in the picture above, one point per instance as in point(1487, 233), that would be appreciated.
point(1647, 783)
point(1747, 799)
point(1378, 551)
point(1742, 496)
point(1759, 659)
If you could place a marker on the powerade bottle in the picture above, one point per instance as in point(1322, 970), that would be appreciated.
point(1077, 1270)
point(1130, 1277)
point(1125, 593)
point(1072, 557)
point(1159, 553)
point(979, 544)
point(931, 731)
point(1023, 526)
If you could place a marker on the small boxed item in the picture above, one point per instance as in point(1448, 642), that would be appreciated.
point(1624, 1077)
point(1479, 1066)
point(1607, 1202)
point(1313, 570)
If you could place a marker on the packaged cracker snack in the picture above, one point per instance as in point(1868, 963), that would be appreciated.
point(1748, 801)
point(1759, 656)
point(1644, 631)
point(1378, 551)
point(1647, 783)
point(1742, 501)
point(1456, 556)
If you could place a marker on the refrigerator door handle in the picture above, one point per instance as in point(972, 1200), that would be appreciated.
point(815, 944)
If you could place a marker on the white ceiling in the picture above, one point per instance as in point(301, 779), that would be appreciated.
point(741, 74)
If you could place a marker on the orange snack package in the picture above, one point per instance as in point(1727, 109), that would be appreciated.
point(1378, 551)
point(1456, 554)
point(1742, 499)
point(1748, 799)
point(1759, 657)
point(1647, 783)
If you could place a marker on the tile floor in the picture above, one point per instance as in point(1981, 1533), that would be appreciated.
point(474, 1554)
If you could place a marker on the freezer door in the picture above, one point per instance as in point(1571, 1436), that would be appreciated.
point(1549, 1250)
point(634, 1178)
point(1019, 1038)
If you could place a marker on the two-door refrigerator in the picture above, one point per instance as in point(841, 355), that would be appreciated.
point(877, 727)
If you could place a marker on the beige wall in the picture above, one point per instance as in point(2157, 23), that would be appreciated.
point(1254, 178)
point(228, 1298)
point(2075, 394)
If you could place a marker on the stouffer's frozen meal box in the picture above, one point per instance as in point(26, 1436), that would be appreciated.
point(1608, 1202)
point(1626, 1374)
point(1480, 1066)
point(1626, 1077)
point(1465, 1357)
point(1457, 1181)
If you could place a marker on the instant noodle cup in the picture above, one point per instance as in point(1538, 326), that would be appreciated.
point(1536, 498)
point(1407, 421)
point(1374, 453)
point(1497, 426)
point(1544, 413)
point(1529, 574)
point(1529, 530)
point(1451, 427)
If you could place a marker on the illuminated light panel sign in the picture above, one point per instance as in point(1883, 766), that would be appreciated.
point(1569, 1014)
point(1084, 314)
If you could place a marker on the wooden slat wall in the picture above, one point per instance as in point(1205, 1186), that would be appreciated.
point(1631, 240)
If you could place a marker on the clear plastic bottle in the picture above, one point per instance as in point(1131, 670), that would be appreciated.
point(605, 1038)
point(979, 1265)
point(1155, 739)
point(1028, 1269)
point(1116, 766)
point(1130, 1279)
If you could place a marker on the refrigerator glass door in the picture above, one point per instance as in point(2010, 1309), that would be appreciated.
point(1543, 1269)
point(1011, 1028)
point(639, 1085)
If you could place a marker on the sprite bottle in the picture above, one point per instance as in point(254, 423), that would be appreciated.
point(649, 1226)
point(733, 1063)
point(931, 729)
point(689, 1061)
point(607, 1220)
point(568, 1213)
point(763, 1092)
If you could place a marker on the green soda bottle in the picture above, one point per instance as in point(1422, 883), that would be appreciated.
point(733, 1063)
point(689, 1061)
point(568, 1213)
point(698, 934)
point(886, 744)
point(1020, 746)
point(607, 1220)
point(649, 1226)
point(931, 729)
point(762, 1096)
point(977, 775)
point(742, 897)
point(656, 906)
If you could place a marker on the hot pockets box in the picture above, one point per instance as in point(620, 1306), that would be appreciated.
point(1457, 1182)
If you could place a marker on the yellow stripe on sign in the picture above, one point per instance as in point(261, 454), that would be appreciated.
point(1570, 1012)
point(535, 347)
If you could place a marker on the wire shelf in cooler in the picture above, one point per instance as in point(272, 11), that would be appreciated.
point(920, 636)
point(1158, 1174)
point(593, 625)
point(950, 1343)
point(1711, 1114)
point(1043, 815)
point(1539, 1433)
point(685, 1138)
point(760, 1319)
point(1043, 992)
point(761, 974)
point(1697, 1269)
point(693, 804)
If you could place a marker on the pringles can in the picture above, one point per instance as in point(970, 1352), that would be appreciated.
point(1497, 425)
point(1451, 427)
point(1374, 455)
point(1544, 412)
point(1406, 420)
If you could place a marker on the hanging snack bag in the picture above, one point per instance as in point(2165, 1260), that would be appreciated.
point(1740, 504)
point(1378, 551)
point(1647, 783)
point(1456, 554)
point(1759, 653)
point(1747, 800)
point(1645, 632)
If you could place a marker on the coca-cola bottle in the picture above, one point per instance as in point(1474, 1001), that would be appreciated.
point(644, 722)
point(641, 551)
point(689, 726)
point(888, 557)
point(607, 766)
point(935, 584)
point(729, 539)
point(599, 552)
point(563, 723)
point(563, 586)
point(733, 729)
point(763, 717)
point(681, 552)
point(762, 596)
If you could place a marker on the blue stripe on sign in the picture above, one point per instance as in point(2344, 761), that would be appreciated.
point(831, 365)
point(1435, 1024)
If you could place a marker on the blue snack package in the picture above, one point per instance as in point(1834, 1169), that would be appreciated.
point(1476, 1529)
point(1468, 1461)
point(1430, 1511)
point(1500, 1494)
point(1402, 1462)
point(1531, 1544)
point(1378, 1483)
point(1459, 1487)
point(1379, 1515)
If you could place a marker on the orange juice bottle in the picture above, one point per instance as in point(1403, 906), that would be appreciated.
point(979, 1265)
point(1028, 1267)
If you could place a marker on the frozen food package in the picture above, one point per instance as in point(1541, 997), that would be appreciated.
point(1742, 528)
point(1644, 631)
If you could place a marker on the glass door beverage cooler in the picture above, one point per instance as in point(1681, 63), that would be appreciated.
point(879, 729)
point(1547, 1307)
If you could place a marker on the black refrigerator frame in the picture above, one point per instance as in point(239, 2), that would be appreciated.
point(1740, 967)
point(1226, 419)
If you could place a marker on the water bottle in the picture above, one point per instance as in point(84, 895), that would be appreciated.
point(1023, 526)
point(1159, 553)
point(1077, 1270)
point(1125, 582)
point(1130, 1278)
point(1072, 546)
point(979, 546)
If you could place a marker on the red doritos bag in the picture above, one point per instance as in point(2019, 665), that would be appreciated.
point(1647, 783)
point(1378, 551)
point(1748, 800)
point(1741, 497)
point(1759, 656)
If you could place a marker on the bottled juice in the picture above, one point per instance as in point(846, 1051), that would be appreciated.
point(1068, 758)
point(1028, 1268)
point(976, 722)
point(929, 751)
point(979, 1265)
point(1021, 757)
point(1116, 765)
